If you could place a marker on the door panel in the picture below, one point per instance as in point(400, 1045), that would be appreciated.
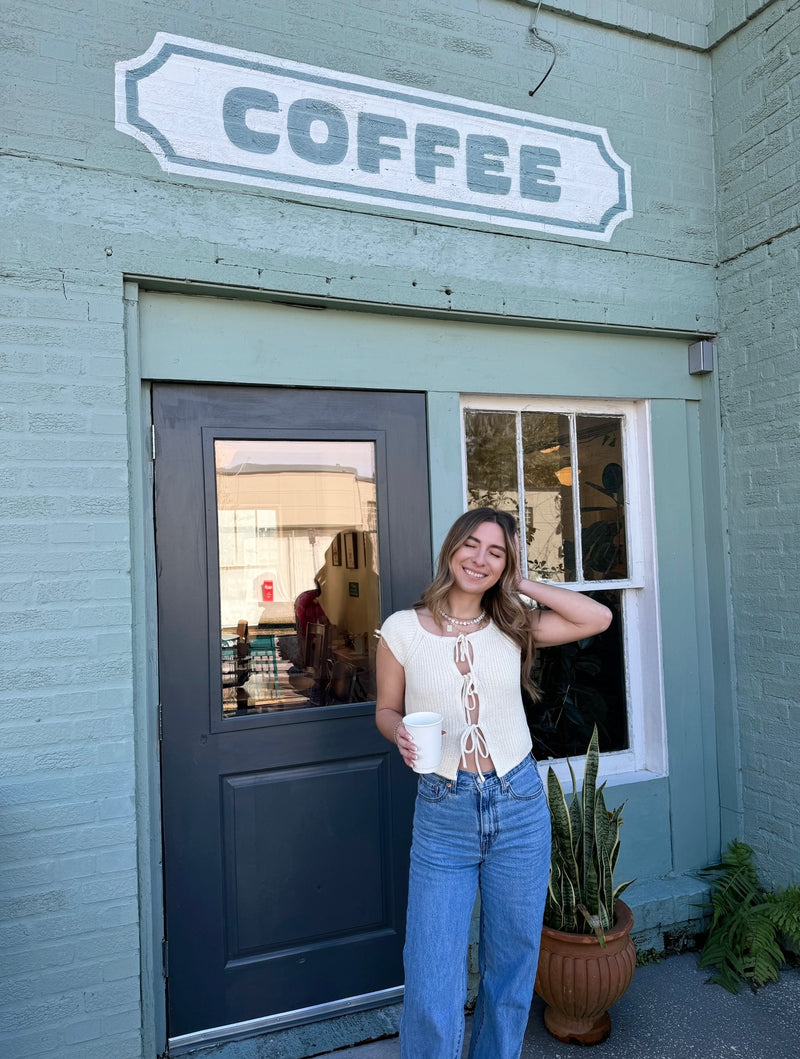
point(286, 816)
point(326, 857)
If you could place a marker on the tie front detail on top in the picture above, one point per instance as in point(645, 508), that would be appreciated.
point(473, 740)
point(472, 680)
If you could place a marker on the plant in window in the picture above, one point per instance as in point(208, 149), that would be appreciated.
point(602, 541)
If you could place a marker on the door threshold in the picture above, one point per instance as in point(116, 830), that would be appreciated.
point(284, 1020)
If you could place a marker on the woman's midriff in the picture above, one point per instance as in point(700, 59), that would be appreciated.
point(470, 764)
point(473, 762)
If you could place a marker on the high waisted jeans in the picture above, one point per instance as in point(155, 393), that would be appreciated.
point(492, 834)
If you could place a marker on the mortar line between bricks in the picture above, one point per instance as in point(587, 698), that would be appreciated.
point(756, 246)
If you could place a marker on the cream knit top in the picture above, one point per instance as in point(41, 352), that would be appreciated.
point(482, 708)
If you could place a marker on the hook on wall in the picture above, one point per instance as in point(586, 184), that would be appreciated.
point(539, 39)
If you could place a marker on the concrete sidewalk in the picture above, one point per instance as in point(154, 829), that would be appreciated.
point(669, 1012)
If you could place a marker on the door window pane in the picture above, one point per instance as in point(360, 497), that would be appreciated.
point(298, 573)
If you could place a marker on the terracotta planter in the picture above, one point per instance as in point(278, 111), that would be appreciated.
point(579, 981)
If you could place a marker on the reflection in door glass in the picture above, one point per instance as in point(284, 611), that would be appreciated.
point(298, 573)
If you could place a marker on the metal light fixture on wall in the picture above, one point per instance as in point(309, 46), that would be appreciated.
point(701, 357)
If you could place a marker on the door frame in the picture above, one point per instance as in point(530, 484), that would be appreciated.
point(146, 718)
point(144, 646)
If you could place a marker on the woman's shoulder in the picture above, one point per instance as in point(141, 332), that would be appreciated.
point(400, 621)
point(401, 633)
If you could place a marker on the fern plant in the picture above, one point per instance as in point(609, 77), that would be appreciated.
point(747, 923)
point(581, 892)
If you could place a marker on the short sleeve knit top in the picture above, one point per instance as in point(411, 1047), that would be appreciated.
point(482, 708)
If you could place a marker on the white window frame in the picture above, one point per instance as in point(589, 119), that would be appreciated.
point(644, 684)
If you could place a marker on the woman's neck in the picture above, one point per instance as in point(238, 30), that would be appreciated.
point(462, 605)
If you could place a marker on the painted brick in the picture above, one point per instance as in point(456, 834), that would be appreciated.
point(64, 312)
point(758, 368)
point(56, 837)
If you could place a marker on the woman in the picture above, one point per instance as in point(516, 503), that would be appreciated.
point(481, 821)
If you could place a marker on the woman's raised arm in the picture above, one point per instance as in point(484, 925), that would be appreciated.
point(569, 615)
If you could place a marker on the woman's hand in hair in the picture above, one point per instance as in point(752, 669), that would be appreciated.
point(516, 559)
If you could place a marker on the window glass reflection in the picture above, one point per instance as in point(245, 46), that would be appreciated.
point(298, 573)
point(492, 460)
point(601, 459)
point(548, 493)
point(582, 684)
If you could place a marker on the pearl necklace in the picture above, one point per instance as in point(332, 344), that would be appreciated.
point(458, 621)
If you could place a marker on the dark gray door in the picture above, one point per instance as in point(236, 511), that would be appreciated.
point(286, 816)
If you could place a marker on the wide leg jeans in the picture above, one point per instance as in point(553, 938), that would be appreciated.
point(493, 835)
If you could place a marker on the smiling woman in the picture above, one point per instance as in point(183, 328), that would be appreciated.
point(463, 652)
point(479, 562)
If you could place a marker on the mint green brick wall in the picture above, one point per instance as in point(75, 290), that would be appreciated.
point(757, 104)
point(69, 929)
point(82, 207)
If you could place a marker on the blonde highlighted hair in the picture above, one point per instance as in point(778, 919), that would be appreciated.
point(501, 602)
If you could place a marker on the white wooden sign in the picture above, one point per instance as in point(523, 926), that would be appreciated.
point(225, 114)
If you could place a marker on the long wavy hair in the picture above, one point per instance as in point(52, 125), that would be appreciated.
point(501, 602)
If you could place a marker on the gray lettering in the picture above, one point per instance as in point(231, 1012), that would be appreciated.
point(482, 168)
point(371, 148)
point(234, 116)
point(534, 181)
point(302, 115)
point(426, 157)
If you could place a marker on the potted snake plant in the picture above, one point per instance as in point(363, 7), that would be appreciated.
point(587, 956)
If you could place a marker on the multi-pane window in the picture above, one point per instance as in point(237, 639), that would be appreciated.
point(575, 480)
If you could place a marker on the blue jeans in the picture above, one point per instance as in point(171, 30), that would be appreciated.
point(493, 835)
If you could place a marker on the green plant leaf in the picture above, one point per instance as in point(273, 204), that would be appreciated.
point(742, 943)
point(588, 794)
point(581, 893)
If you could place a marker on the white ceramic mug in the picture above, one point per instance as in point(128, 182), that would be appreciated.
point(426, 731)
